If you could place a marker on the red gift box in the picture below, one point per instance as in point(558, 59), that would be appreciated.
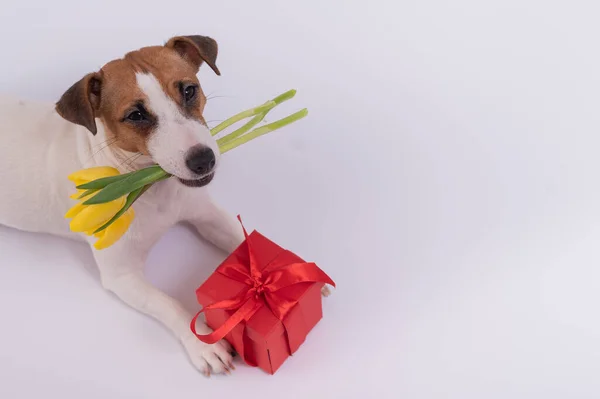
point(263, 300)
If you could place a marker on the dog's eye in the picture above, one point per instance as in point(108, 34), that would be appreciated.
point(189, 93)
point(135, 116)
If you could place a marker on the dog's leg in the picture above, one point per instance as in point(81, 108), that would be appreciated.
point(122, 273)
point(216, 225)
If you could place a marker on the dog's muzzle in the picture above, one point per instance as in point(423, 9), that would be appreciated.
point(201, 161)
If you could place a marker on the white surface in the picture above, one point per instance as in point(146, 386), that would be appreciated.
point(446, 178)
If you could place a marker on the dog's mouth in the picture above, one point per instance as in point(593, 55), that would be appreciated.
point(201, 182)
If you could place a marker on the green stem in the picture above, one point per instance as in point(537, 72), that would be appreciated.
point(123, 187)
point(263, 130)
point(288, 95)
point(242, 115)
point(102, 182)
point(241, 131)
point(256, 120)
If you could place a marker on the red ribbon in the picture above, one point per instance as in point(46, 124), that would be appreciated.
point(266, 287)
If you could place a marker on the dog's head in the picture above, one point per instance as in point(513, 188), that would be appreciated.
point(151, 102)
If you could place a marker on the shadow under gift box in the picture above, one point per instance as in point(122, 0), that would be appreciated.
point(264, 340)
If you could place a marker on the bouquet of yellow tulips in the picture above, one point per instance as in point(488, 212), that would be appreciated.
point(106, 197)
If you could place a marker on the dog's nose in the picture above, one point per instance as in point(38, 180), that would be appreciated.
point(201, 160)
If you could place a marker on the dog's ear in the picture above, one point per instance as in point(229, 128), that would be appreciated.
point(80, 103)
point(196, 49)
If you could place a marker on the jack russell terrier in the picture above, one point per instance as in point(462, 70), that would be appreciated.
point(143, 109)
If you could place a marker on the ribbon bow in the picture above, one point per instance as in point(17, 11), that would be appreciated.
point(262, 288)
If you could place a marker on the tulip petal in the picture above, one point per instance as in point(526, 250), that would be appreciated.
point(79, 193)
point(115, 231)
point(74, 211)
point(86, 175)
point(95, 215)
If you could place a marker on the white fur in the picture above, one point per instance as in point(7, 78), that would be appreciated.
point(39, 149)
point(175, 134)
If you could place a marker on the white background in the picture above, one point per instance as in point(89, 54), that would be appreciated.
point(446, 178)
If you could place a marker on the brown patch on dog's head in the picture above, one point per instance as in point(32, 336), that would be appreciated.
point(113, 94)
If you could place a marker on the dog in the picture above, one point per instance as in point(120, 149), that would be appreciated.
point(143, 109)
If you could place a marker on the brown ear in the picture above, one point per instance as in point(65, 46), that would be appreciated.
point(196, 49)
point(80, 103)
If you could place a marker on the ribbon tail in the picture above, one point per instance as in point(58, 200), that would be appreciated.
point(296, 273)
point(243, 228)
point(254, 271)
point(243, 313)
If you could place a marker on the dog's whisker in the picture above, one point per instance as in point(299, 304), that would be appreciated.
point(213, 97)
point(107, 144)
point(131, 159)
point(139, 154)
point(104, 142)
point(130, 163)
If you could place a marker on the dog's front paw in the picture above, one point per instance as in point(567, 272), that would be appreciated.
point(325, 291)
point(216, 358)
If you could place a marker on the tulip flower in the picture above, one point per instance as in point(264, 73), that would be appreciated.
point(115, 230)
point(89, 219)
point(106, 196)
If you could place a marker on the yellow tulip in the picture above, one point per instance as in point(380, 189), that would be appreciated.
point(115, 231)
point(79, 193)
point(90, 174)
point(89, 218)
point(74, 211)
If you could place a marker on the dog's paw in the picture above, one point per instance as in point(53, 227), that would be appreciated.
point(326, 291)
point(210, 359)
